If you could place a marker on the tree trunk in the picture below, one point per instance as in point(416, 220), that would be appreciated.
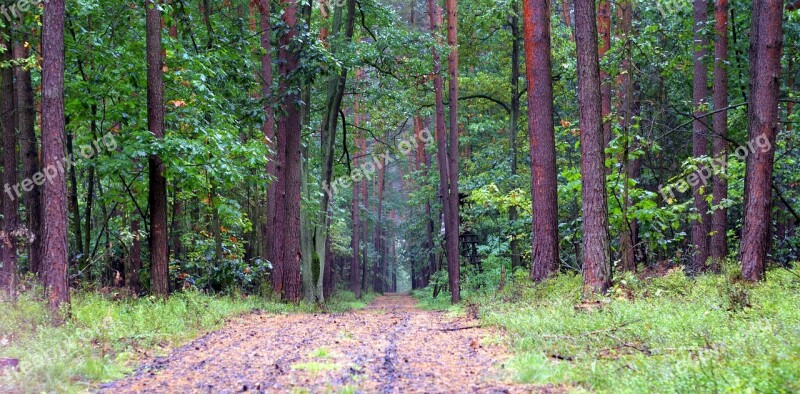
point(54, 253)
point(452, 230)
point(157, 194)
point(763, 129)
point(544, 185)
point(26, 117)
point(596, 258)
point(288, 255)
point(700, 227)
point(627, 240)
point(8, 249)
point(719, 221)
point(516, 260)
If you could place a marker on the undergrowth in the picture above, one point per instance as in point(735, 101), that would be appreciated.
point(106, 339)
point(673, 333)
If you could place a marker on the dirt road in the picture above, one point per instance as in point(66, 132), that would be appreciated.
point(390, 347)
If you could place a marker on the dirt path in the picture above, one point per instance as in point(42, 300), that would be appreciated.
point(391, 347)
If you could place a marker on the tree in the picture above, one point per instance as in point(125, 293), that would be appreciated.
point(700, 225)
point(719, 220)
point(763, 129)
point(287, 210)
point(596, 257)
point(604, 27)
point(54, 253)
point(157, 192)
point(8, 275)
point(544, 185)
point(452, 223)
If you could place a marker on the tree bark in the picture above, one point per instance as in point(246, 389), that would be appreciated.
point(516, 260)
point(54, 254)
point(544, 185)
point(596, 257)
point(701, 226)
point(627, 240)
point(288, 252)
point(763, 129)
point(8, 249)
point(157, 194)
point(604, 27)
point(452, 230)
point(719, 221)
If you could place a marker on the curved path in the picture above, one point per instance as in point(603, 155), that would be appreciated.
point(390, 347)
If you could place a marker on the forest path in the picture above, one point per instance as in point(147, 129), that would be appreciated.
point(389, 347)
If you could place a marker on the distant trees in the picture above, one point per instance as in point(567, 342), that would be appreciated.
point(54, 254)
point(766, 46)
point(596, 252)
point(8, 247)
point(544, 184)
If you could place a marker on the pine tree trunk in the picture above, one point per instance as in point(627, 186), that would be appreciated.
point(157, 195)
point(596, 258)
point(763, 129)
point(516, 260)
point(544, 186)
point(719, 222)
point(8, 249)
point(54, 253)
point(452, 230)
point(604, 27)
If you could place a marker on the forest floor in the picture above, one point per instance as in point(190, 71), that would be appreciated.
point(389, 347)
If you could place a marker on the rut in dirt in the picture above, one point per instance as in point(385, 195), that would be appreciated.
point(389, 347)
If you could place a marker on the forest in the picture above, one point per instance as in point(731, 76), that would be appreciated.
point(397, 196)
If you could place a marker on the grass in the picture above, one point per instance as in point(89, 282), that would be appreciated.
point(106, 339)
point(666, 334)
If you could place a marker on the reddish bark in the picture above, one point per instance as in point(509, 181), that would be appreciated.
point(596, 258)
point(763, 128)
point(8, 248)
point(288, 254)
point(544, 185)
point(54, 253)
point(157, 195)
point(452, 223)
point(719, 222)
point(628, 231)
point(700, 227)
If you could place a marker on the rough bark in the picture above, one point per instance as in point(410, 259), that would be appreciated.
point(157, 194)
point(452, 224)
point(604, 28)
point(516, 260)
point(763, 127)
point(719, 222)
point(8, 249)
point(54, 253)
point(596, 257)
point(544, 192)
point(700, 226)
point(627, 240)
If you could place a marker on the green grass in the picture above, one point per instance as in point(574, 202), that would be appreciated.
point(105, 339)
point(666, 334)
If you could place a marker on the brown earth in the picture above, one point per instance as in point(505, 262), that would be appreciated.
point(390, 347)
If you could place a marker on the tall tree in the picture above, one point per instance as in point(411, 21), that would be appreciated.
point(627, 240)
point(452, 199)
point(54, 253)
point(544, 184)
point(287, 210)
point(700, 225)
point(719, 220)
point(26, 118)
point(604, 27)
point(596, 254)
point(8, 249)
point(516, 37)
point(763, 129)
point(157, 194)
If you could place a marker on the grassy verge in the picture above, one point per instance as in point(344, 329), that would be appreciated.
point(106, 339)
point(665, 334)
